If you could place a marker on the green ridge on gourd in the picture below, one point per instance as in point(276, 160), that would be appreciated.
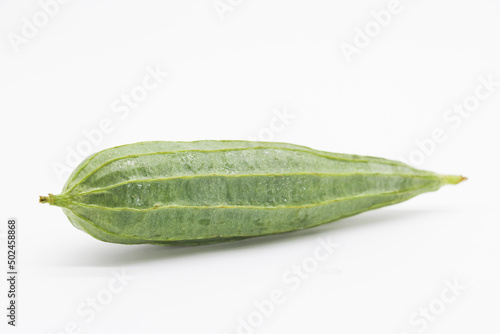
point(193, 193)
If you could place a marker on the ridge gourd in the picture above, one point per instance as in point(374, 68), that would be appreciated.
point(192, 193)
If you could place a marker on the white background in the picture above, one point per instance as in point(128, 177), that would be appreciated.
point(229, 73)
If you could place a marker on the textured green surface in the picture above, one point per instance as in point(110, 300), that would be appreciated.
point(188, 193)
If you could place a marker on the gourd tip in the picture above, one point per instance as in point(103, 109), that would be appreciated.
point(47, 199)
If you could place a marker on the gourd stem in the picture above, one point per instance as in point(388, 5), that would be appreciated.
point(452, 179)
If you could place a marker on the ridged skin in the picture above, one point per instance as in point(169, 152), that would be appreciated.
point(189, 193)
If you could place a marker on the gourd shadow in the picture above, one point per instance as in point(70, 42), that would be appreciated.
point(129, 255)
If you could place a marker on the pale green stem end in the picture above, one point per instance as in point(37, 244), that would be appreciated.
point(452, 179)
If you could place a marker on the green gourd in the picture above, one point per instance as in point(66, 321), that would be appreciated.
point(193, 193)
